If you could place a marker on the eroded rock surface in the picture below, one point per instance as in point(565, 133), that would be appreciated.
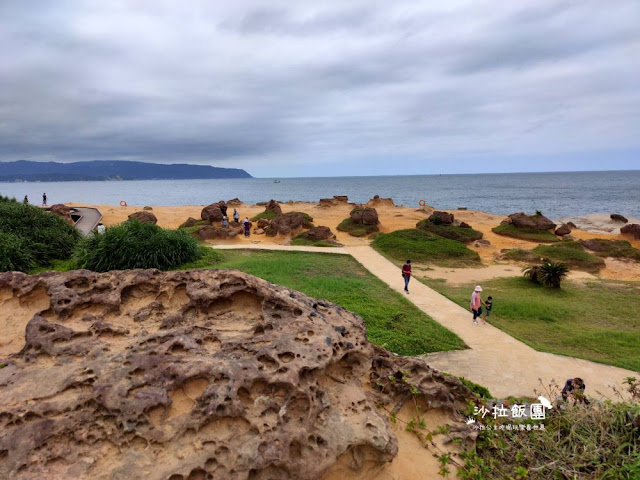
point(144, 216)
point(202, 374)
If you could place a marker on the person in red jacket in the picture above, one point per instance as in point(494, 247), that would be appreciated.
point(406, 274)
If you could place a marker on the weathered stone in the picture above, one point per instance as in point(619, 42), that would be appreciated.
point(530, 222)
point(273, 207)
point(482, 243)
point(144, 217)
point(147, 208)
point(259, 231)
point(441, 218)
point(61, 210)
point(234, 202)
point(341, 198)
point(464, 225)
point(189, 222)
point(562, 230)
point(571, 225)
point(263, 222)
point(632, 229)
point(287, 224)
point(201, 374)
point(618, 218)
point(364, 216)
point(212, 213)
point(376, 201)
point(207, 232)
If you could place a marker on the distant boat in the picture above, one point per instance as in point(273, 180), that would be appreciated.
point(276, 181)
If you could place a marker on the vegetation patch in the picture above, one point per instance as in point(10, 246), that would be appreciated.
point(612, 248)
point(300, 240)
point(464, 235)
point(356, 229)
point(595, 320)
point(32, 236)
point(540, 236)
point(521, 255)
point(134, 244)
point(267, 215)
point(392, 321)
point(424, 247)
point(572, 254)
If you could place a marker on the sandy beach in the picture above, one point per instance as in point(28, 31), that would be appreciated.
point(401, 217)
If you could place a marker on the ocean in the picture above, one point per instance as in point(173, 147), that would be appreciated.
point(554, 194)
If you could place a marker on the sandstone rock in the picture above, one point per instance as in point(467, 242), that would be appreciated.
point(464, 225)
point(259, 231)
point(441, 218)
point(316, 234)
point(234, 202)
point(618, 218)
point(144, 217)
point(327, 202)
point(531, 222)
point(632, 229)
point(143, 374)
point(212, 213)
point(482, 243)
point(562, 230)
point(571, 225)
point(364, 216)
point(376, 201)
point(341, 198)
point(596, 244)
point(263, 222)
point(273, 206)
point(189, 222)
point(288, 224)
point(147, 208)
point(207, 232)
point(61, 210)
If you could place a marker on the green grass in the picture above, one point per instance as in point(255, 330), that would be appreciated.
point(267, 215)
point(452, 232)
point(571, 254)
point(392, 321)
point(541, 236)
point(356, 229)
point(303, 242)
point(521, 255)
point(596, 321)
point(617, 249)
point(424, 247)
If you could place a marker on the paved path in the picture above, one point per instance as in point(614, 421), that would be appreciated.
point(496, 360)
point(89, 219)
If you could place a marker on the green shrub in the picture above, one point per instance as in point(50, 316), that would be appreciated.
point(267, 215)
point(15, 255)
point(426, 247)
point(464, 235)
point(550, 274)
point(134, 244)
point(572, 254)
point(356, 229)
point(45, 236)
point(541, 236)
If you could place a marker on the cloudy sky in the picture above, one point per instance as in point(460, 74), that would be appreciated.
point(308, 88)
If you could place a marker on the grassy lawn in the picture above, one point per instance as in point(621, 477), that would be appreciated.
point(570, 253)
point(597, 321)
point(392, 321)
point(540, 236)
point(464, 235)
point(424, 247)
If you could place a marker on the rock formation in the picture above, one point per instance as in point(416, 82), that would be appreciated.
point(632, 229)
point(288, 224)
point(189, 222)
point(144, 217)
point(530, 222)
point(234, 202)
point(207, 232)
point(336, 200)
point(273, 207)
point(441, 218)
point(562, 230)
point(62, 210)
point(364, 216)
point(212, 213)
point(615, 217)
point(376, 201)
point(147, 208)
point(317, 234)
point(143, 374)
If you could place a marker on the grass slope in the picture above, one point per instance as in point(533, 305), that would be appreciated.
point(452, 232)
point(596, 321)
point(392, 321)
point(356, 229)
point(570, 253)
point(424, 247)
point(541, 236)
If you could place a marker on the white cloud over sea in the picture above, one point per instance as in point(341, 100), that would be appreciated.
point(308, 88)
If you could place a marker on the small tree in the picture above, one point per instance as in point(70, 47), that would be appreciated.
point(532, 273)
point(549, 274)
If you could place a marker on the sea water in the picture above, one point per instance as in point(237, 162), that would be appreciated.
point(554, 194)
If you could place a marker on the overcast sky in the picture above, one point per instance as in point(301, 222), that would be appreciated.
point(308, 88)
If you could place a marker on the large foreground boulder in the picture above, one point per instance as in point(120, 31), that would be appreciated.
point(632, 229)
point(364, 216)
point(144, 217)
point(212, 213)
point(530, 222)
point(273, 207)
point(143, 374)
point(288, 224)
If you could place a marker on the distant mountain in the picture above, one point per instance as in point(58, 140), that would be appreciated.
point(26, 171)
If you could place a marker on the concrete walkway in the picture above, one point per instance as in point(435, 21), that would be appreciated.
point(495, 359)
point(89, 219)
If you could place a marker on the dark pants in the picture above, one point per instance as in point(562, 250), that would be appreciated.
point(406, 282)
point(247, 232)
point(477, 313)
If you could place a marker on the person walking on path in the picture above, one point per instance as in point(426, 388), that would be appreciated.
point(44, 199)
point(476, 304)
point(236, 216)
point(406, 274)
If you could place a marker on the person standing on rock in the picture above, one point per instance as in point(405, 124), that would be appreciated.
point(44, 199)
point(406, 274)
point(476, 304)
point(236, 216)
point(247, 227)
point(225, 222)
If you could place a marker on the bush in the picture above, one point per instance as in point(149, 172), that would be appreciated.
point(464, 235)
point(136, 245)
point(571, 254)
point(549, 274)
point(44, 236)
point(541, 236)
point(15, 255)
point(422, 246)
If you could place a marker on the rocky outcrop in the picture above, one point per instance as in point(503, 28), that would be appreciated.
point(147, 208)
point(234, 202)
point(273, 207)
point(571, 225)
point(530, 222)
point(189, 222)
point(61, 210)
point(288, 224)
point(615, 217)
point(464, 225)
point(144, 217)
point(212, 213)
point(364, 216)
point(208, 232)
point(376, 201)
point(336, 200)
point(206, 374)
point(441, 218)
point(632, 229)
point(562, 230)
point(317, 234)
point(263, 223)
